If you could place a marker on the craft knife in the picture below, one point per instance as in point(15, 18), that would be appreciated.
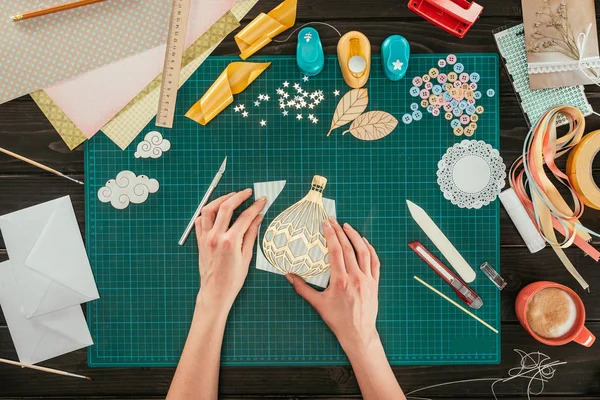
point(464, 292)
point(210, 190)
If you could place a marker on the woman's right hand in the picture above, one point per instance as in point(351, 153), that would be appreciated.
point(349, 305)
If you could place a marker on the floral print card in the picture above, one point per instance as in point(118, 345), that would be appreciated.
point(562, 43)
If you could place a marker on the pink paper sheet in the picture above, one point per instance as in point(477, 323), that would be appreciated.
point(92, 99)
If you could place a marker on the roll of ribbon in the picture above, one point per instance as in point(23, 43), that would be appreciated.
point(579, 169)
point(235, 79)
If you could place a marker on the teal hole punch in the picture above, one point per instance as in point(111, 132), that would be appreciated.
point(309, 52)
point(395, 53)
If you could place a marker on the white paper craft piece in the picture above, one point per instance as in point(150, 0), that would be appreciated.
point(471, 174)
point(127, 188)
point(153, 146)
point(43, 337)
point(272, 190)
point(48, 257)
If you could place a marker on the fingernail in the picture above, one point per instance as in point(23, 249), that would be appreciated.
point(347, 226)
point(366, 241)
point(248, 190)
point(333, 221)
point(289, 278)
point(263, 198)
point(326, 224)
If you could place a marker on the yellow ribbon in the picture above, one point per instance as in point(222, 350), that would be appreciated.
point(579, 169)
point(258, 33)
point(236, 77)
point(546, 206)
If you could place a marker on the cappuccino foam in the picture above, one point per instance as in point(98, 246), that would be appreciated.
point(551, 313)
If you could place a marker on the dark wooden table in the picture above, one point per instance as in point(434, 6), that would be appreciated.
point(24, 129)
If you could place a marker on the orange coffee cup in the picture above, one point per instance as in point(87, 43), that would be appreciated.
point(579, 334)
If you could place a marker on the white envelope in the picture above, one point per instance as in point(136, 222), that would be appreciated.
point(40, 338)
point(48, 257)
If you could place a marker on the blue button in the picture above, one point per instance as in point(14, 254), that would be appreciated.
point(455, 123)
point(491, 93)
point(470, 110)
point(414, 106)
point(474, 77)
point(414, 91)
point(417, 115)
point(454, 103)
point(437, 90)
point(463, 104)
point(406, 118)
point(457, 112)
point(447, 96)
point(458, 68)
point(477, 95)
point(429, 108)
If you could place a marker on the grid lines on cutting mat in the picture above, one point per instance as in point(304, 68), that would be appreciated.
point(148, 284)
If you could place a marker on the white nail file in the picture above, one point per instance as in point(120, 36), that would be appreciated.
point(460, 265)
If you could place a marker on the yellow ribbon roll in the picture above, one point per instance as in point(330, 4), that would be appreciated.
point(579, 169)
point(236, 77)
point(258, 33)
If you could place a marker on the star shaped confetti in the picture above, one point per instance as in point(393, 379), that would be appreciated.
point(398, 65)
point(305, 79)
point(315, 120)
point(299, 117)
point(263, 122)
point(311, 106)
point(242, 107)
point(310, 116)
point(336, 92)
point(285, 95)
point(245, 114)
point(257, 103)
point(266, 97)
point(286, 84)
point(261, 96)
point(280, 91)
point(236, 108)
point(285, 113)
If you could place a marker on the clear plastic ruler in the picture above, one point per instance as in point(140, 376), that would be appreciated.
point(172, 67)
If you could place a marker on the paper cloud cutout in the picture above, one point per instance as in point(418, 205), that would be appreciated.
point(153, 146)
point(127, 188)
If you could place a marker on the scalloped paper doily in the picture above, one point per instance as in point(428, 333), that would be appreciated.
point(471, 174)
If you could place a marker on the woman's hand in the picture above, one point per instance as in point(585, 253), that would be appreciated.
point(349, 305)
point(225, 252)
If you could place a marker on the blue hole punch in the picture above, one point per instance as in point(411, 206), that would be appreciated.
point(309, 52)
point(395, 53)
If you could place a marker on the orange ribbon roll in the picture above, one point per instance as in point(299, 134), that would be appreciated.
point(236, 77)
point(258, 33)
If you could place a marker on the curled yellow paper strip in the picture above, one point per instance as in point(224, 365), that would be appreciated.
point(236, 77)
point(258, 33)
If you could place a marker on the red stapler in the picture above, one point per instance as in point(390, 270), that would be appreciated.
point(453, 16)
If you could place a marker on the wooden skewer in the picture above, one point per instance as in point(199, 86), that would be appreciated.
point(469, 313)
point(50, 10)
point(44, 369)
point(37, 164)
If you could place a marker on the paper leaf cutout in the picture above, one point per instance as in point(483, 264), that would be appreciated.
point(372, 125)
point(349, 108)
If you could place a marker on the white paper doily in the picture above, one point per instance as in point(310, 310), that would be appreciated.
point(471, 174)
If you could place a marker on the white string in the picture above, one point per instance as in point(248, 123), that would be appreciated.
point(581, 43)
point(302, 26)
point(534, 366)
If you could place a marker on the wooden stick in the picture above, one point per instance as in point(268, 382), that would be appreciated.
point(469, 313)
point(37, 164)
point(44, 369)
point(50, 10)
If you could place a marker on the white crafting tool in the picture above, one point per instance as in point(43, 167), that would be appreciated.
point(203, 202)
point(440, 240)
point(172, 67)
point(518, 215)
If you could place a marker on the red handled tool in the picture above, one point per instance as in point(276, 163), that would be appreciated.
point(464, 292)
point(453, 16)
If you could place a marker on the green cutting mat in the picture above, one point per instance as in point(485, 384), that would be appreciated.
point(148, 283)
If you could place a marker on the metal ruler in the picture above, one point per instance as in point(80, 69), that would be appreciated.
point(172, 68)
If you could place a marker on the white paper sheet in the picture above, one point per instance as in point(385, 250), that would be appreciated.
point(49, 260)
point(272, 190)
point(44, 337)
